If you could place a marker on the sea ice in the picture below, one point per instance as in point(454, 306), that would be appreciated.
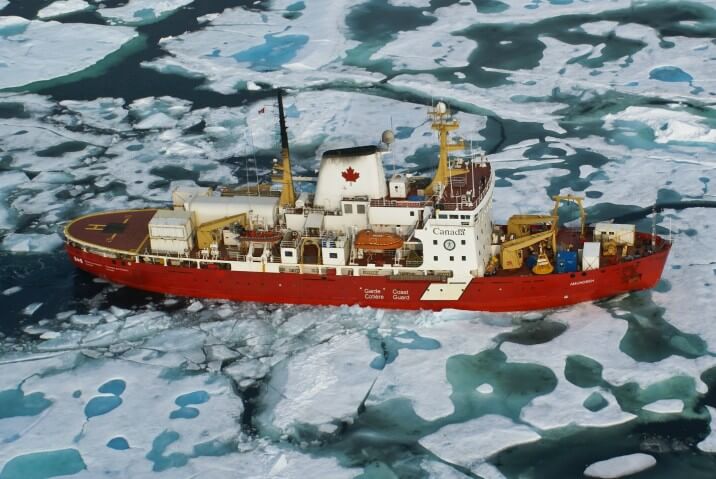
point(470, 443)
point(485, 388)
point(435, 45)
point(620, 466)
point(31, 242)
point(12, 290)
point(311, 387)
point(141, 12)
point(62, 7)
point(31, 308)
point(665, 406)
point(37, 50)
point(594, 333)
point(709, 444)
point(419, 374)
point(667, 124)
point(241, 46)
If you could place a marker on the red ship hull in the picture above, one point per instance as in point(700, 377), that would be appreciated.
point(496, 293)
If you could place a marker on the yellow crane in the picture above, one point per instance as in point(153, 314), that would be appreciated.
point(574, 199)
point(519, 225)
point(512, 254)
point(206, 233)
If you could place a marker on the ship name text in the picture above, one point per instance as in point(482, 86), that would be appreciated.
point(449, 232)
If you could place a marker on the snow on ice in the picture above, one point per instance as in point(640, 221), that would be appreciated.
point(471, 442)
point(62, 7)
point(140, 12)
point(620, 466)
point(34, 51)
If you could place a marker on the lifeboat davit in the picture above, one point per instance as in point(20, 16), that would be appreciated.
point(370, 240)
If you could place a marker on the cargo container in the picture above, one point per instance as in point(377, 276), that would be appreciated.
point(590, 256)
point(566, 261)
point(621, 234)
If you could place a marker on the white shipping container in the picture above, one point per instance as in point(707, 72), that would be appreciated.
point(171, 246)
point(170, 224)
point(184, 194)
point(264, 209)
point(590, 256)
point(622, 234)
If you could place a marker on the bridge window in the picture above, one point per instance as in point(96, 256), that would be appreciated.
point(454, 217)
point(360, 209)
point(288, 254)
point(333, 255)
point(412, 213)
point(348, 209)
point(443, 217)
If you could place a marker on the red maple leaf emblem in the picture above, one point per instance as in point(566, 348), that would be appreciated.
point(350, 175)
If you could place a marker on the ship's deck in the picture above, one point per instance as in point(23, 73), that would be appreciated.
point(472, 184)
point(123, 231)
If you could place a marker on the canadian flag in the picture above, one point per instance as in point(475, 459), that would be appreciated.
point(350, 175)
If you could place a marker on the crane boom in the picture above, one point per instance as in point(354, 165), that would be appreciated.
point(512, 250)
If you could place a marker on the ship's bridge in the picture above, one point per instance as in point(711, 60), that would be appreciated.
point(464, 191)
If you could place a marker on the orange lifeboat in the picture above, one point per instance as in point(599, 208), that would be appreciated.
point(370, 240)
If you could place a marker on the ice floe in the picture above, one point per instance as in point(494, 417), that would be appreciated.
point(620, 466)
point(709, 444)
point(471, 442)
point(419, 373)
point(30, 242)
point(241, 46)
point(59, 8)
point(596, 335)
point(34, 51)
point(665, 406)
point(310, 388)
point(12, 290)
point(436, 45)
point(140, 12)
point(667, 125)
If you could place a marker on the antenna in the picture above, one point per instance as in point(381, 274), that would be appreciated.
point(256, 168)
point(653, 227)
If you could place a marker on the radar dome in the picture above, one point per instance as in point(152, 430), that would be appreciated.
point(441, 108)
point(388, 137)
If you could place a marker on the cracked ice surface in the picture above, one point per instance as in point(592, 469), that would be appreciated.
point(33, 51)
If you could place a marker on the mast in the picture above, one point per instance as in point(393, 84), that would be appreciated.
point(443, 125)
point(288, 194)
